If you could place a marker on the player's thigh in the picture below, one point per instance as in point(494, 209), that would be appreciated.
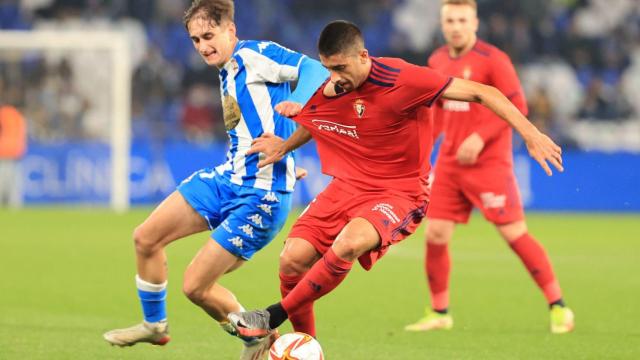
point(447, 200)
point(324, 218)
point(298, 256)
point(440, 231)
point(356, 238)
point(494, 191)
point(173, 219)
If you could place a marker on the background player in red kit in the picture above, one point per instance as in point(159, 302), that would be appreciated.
point(475, 168)
point(374, 144)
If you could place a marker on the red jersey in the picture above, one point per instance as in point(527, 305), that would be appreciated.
point(372, 137)
point(485, 64)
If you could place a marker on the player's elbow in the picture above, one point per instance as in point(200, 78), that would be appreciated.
point(485, 92)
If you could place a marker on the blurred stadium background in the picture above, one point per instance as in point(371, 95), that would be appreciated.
point(579, 62)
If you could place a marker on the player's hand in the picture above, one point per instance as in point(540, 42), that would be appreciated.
point(543, 149)
point(470, 149)
point(288, 108)
point(270, 146)
point(301, 173)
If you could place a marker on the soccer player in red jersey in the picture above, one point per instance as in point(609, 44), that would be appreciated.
point(475, 168)
point(372, 140)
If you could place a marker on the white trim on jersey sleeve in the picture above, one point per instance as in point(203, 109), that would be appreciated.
point(263, 69)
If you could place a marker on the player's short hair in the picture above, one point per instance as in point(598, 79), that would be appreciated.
point(213, 10)
point(339, 37)
point(471, 3)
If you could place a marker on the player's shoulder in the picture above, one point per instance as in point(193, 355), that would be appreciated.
point(438, 55)
point(489, 51)
point(389, 63)
point(263, 47)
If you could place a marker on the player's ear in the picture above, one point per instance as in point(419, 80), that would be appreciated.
point(231, 27)
point(364, 56)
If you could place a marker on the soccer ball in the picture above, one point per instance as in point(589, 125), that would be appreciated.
point(296, 346)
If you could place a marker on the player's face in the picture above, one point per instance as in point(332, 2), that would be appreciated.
point(459, 25)
point(214, 42)
point(348, 70)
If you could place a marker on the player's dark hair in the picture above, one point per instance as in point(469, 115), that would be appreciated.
point(471, 3)
point(213, 10)
point(339, 37)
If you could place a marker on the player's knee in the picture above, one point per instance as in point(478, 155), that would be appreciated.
point(194, 291)
point(438, 235)
point(349, 248)
point(513, 231)
point(146, 244)
point(292, 265)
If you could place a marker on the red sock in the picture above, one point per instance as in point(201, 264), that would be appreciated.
point(324, 276)
point(437, 268)
point(302, 320)
point(535, 259)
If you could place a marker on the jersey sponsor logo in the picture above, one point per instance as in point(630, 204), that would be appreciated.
point(359, 107)
point(247, 229)
point(236, 241)
point(387, 210)
point(231, 112)
point(270, 196)
point(457, 106)
point(256, 219)
point(266, 208)
point(350, 131)
point(493, 201)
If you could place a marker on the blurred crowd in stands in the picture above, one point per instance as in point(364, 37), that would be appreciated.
point(579, 60)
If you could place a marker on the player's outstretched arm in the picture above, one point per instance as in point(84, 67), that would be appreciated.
point(540, 146)
point(275, 148)
point(311, 75)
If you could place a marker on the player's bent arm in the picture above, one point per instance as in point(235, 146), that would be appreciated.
point(492, 98)
point(299, 137)
point(540, 147)
point(311, 75)
point(275, 148)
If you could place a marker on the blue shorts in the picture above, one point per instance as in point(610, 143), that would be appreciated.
point(243, 220)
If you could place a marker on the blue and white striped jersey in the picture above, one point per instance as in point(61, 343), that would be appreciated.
point(252, 82)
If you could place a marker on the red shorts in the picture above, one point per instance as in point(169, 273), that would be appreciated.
point(493, 190)
point(393, 214)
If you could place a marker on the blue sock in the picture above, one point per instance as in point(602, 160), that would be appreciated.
point(153, 299)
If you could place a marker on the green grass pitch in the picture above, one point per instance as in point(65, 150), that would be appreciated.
point(68, 276)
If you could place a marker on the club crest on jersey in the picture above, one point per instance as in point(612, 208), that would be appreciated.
point(359, 107)
point(234, 64)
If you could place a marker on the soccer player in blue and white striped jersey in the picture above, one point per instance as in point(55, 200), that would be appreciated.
point(244, 206)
